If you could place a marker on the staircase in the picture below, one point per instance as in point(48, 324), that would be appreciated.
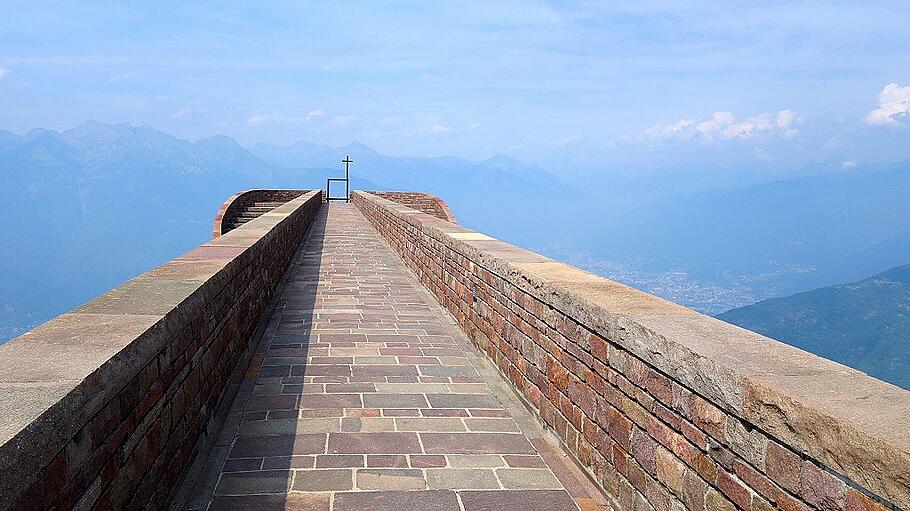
point(254, 210)
point(247, 205)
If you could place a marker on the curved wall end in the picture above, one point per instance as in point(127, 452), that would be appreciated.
point(247, 205)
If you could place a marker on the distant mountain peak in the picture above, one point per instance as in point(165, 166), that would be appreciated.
point(219, 140)
point(97, 128)
point(357, 147)
point(309, 145)
point(503, 160)
point(92, 134)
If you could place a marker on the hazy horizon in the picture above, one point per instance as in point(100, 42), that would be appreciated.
point(572, 86)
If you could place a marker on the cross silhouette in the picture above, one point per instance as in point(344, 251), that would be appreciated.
point(347, 161)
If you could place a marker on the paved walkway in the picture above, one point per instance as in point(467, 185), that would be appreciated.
point(363, 395)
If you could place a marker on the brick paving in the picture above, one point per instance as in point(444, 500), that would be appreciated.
point(363, 395)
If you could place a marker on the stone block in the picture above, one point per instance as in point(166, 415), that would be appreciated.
point(461, 478)
point(783, 467)
point(476, 443)
point(527, 479)
point(374, 443)
point(396, 501)
point(322, 480)
point(821, 489)
point(390, 479)
point(734, 489)
point(552, 500)
point(248, 483)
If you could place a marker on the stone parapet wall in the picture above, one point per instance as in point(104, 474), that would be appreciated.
point(420, 201)
point(665, 408)
point(104, 406)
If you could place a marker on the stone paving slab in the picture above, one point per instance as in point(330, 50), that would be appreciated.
point(364, 396)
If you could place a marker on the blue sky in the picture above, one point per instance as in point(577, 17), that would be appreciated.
point(564, 84)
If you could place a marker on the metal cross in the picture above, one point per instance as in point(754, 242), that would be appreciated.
point(347, 160)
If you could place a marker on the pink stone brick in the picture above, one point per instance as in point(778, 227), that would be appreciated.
point(857, 501)
point(620, 428)
point(694, 490)
point(734, 489)
point(786, 502)
point(644, 450)
point(783, 467)
point(600, 349)
point(754, 479)
point(821, 489)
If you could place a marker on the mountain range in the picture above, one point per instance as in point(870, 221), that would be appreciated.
point(88, 208)
point(863, 324)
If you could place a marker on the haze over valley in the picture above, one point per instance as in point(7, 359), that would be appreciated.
point(111, 201)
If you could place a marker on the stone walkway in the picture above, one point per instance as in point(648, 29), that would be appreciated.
point(363, 395)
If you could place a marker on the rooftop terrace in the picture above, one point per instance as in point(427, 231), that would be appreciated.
point(374, 356)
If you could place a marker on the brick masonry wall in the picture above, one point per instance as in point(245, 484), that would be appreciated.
point(420, 201)
point(104, 406)
point(666, 409)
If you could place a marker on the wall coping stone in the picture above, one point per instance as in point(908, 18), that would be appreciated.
point(849, 421)
point(57, 376)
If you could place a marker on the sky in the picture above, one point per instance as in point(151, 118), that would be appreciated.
point(563, 84)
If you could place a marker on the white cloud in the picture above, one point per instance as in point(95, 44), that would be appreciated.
point(718, 121)
point(474, 125)
point(725, 126)
point(848, 164)
point(786, 121)
point(3, 72)
point(671, 130)
point(315, 114)
point(342, 120)
point(439, 128)
point(893, 103)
